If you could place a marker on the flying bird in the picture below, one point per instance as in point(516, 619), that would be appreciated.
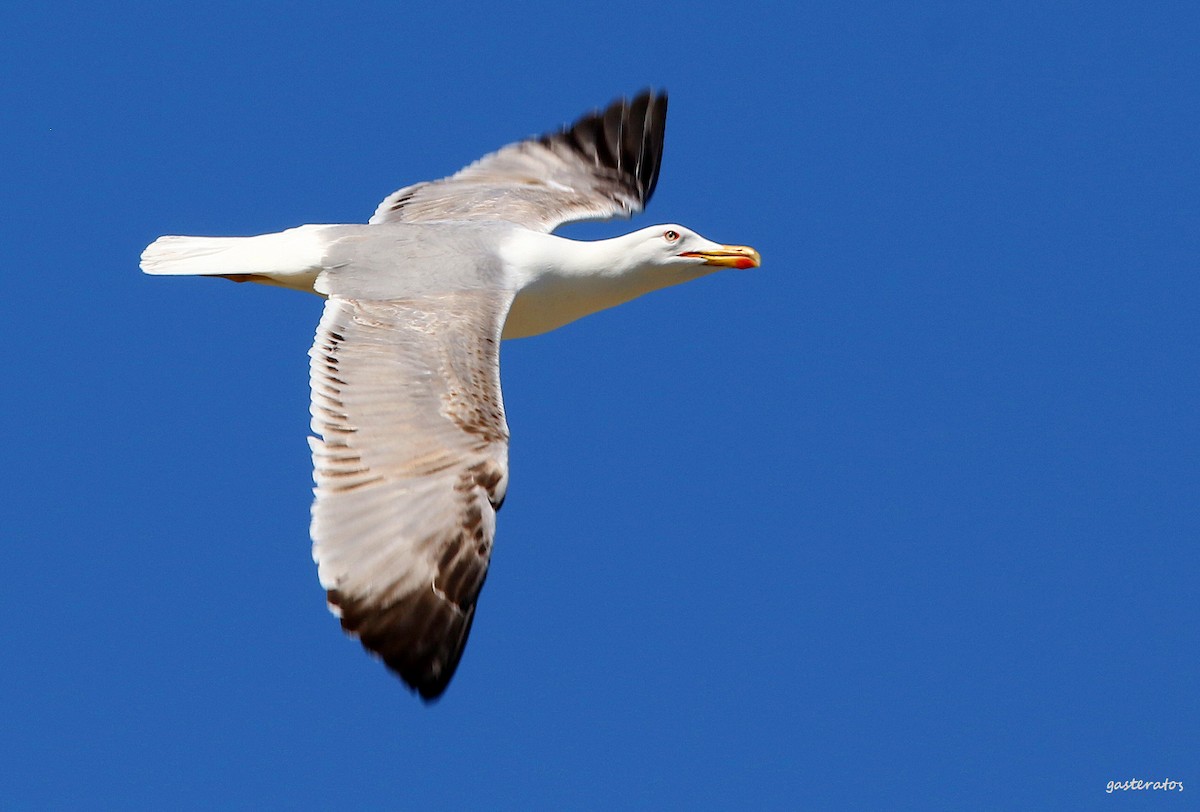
point(411, 461)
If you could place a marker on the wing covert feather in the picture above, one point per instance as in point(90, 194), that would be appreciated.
point(604, 165)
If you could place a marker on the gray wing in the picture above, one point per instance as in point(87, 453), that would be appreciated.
point(604, 165)
point(411, 467)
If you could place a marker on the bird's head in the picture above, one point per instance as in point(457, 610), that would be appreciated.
point(678, 247)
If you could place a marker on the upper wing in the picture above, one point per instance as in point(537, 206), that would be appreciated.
point(410, 471)
point(604, 165)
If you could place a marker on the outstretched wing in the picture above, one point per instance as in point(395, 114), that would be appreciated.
point(604, 165)
point(410, 469)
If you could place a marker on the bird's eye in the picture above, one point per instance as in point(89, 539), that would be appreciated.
point(671, 236)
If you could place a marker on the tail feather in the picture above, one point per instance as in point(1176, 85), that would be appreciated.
point(291, 258)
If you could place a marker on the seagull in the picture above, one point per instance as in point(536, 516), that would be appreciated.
point(411, 458)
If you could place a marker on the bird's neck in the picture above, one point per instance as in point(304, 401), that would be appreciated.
point(541, 255)
point(558, 280)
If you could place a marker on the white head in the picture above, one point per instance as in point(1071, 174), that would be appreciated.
point(677, 247)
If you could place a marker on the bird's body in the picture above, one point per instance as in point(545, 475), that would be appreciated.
point(554, 280)
point(412, 460)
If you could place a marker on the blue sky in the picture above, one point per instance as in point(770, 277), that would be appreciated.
point(907, 518)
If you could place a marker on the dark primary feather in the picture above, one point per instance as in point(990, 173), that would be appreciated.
point(627, 139)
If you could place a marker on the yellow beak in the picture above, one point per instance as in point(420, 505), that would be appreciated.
point(729, 256)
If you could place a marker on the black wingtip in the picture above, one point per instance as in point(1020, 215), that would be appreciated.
point(656, 115)
point(626, 137)
point(420, 637)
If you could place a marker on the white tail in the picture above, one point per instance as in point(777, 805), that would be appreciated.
point(291, 258)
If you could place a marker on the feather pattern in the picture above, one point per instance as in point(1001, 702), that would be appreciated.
point(410, 468)
point(604, 165)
